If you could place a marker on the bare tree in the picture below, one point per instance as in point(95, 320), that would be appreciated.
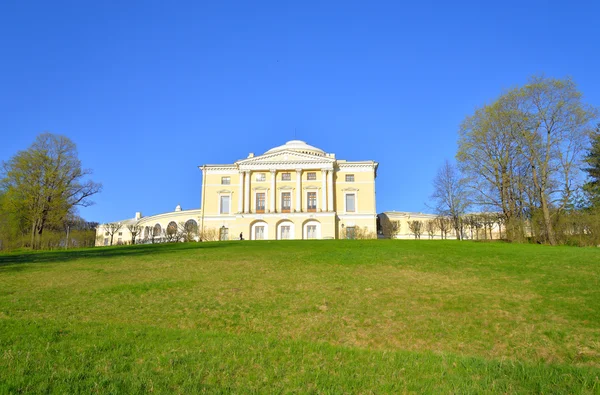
point(444, 225)
point(416, 228)
point(488, 221)
point(188, 231)
point(134, 229)
point(170, 233)
point(111, 228)
point(450, 195)
point(432, 227)
point(209, 234)
point(390, 228)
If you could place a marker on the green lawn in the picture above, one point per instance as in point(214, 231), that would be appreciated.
point(300, 316)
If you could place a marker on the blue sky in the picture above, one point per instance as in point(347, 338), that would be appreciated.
point(150, 90)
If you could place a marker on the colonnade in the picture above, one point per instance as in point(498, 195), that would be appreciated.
point(245, 204)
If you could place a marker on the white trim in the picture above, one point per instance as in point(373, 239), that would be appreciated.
point(253, 230)
point(315, 190)
point(281, 201)
point(257, 191)
point(305, 229)
point(221, 194)
point(285, 223)
point(293, 157)
point(355, 202)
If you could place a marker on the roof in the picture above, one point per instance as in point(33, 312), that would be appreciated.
point(297, 145)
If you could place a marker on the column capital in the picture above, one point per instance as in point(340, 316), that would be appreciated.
point(298, 170)
point(273, 171)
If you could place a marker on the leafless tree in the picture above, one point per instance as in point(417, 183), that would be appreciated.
point(432, 227)
point(444, 225)
point(111, 228)
point(134, 229)
point(450, 195)
point(416, 228)
point(188, 231)
point(390, 228)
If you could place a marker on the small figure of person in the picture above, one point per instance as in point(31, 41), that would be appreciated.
point(241, 235)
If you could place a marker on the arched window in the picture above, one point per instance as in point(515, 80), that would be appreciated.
point(171, 228)
point(191, 226)
point(157, 230)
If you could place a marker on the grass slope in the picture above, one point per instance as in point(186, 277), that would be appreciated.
point(301, 316)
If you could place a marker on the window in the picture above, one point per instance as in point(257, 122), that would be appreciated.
point(349, 177)
point(106, 241)
point(120, 233)
point(106, 234)
point(259, 232)
point(350, 202)
point(311, 176)
point(286, 176)
point(172, 228)
point(286, 202)
point(225, 180)
point(311, 201)
point(260, 202)
point(350, 232)
point(224, 205)
point(224, 234)
point(285, 232)
point(311, 231)
point(261, 177)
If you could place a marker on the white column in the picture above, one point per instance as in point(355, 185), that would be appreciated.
point(324, 189)
point(241, 193)
point(330, 191)
point(272, 194)
point(298, 190)
point(247, 192)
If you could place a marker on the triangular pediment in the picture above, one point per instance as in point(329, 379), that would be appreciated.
point(286, 157)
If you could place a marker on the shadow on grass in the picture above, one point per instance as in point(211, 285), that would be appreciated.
point(10, 261)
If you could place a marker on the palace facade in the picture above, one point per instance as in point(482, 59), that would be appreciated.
point(293, 191)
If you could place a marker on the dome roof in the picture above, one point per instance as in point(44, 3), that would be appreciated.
point(297, 145)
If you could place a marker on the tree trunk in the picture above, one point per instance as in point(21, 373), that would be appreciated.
point(547, 220)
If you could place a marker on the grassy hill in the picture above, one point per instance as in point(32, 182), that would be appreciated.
point(302, 316)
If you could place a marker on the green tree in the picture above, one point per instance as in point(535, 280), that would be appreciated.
point(45, 182)
point(592, 160)
point(523, 152)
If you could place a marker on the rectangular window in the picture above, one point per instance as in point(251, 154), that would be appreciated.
point(311, 201)
point(286, 202)
point(349, 177)
point(224, 204)
point(261, 177)
point(225, 180)
point(260, 202)
point(259, 233)
point(311, 176)
point(106, 241)
point(120, 233)
point(350, 202)
point(285, 232)
point(311, 231)
point(286, 176)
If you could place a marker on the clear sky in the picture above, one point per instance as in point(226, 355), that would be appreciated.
point(149, 90)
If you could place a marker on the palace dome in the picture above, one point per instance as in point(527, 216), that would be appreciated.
point(298, 145)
